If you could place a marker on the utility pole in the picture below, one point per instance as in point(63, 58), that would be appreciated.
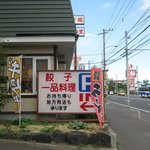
point(127, 67)
point(137, 80)
point(104, 66)
point(104, 61)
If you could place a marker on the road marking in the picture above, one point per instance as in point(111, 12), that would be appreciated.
point(135, 109)
point(132, 98)
point(131, 107)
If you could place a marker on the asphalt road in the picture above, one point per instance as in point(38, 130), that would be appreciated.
point(136, 102)
point(132, 125)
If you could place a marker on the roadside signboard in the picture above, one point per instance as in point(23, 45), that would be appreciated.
point(14, 76)
point(80, 31)
point(97, 93)
point(79, 19)
point(132, 75)
point(64, 92)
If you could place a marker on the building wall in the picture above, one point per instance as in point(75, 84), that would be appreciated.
point(28, 105)
point(31, 49)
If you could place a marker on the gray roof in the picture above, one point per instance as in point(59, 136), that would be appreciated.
point(36, 17)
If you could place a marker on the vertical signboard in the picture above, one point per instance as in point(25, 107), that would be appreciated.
point(97, 93)
point(79, 19)
point(132, 76)
point(64, 92)
point(14, 76)
point(80, 31)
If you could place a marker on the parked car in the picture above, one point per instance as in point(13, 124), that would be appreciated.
point(111, 92)
point(121, 93)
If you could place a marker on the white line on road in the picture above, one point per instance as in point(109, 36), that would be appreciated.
point(130, 107)
point(135, 109)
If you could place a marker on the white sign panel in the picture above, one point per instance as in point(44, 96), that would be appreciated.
point(79, 20)
point(64, 92)
point(80, 31)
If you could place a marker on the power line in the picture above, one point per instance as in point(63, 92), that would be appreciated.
point(113, 14)
point(137, 23)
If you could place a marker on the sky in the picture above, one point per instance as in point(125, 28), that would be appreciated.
point(115, 17)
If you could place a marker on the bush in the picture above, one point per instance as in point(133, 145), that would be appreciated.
point(24, 122)
point(48, 130)
point(77, 125)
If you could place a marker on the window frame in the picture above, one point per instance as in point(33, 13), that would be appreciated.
point(34, 75)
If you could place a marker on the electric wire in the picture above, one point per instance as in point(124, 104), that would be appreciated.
point(136, 24)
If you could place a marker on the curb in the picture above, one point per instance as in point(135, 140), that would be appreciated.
point(52, 146)
point(113, 138)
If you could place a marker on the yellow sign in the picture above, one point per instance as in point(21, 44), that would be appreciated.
point(14, 75)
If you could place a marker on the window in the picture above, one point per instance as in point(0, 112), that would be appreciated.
point(30, 66)
point(27, 75)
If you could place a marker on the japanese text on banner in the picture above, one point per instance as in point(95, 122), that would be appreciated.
point(97, 93)
point(14, 76)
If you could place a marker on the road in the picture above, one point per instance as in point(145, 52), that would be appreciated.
point(142, 104)
point(132, 124)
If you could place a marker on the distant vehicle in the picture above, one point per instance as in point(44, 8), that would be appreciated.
point(121, 92)
point(111, 92)
point(144, 91)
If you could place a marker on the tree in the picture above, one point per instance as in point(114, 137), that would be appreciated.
point(4, 97)
point(145, 82)
point(111, 86)
point(122, 87)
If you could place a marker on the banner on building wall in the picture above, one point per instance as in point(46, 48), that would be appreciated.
point(14, 76)
point(97, 93)
point(64, 92)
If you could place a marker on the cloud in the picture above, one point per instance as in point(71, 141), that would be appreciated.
point(87, 40)
point(90, 35)
point(106, 5)
point(145, 4)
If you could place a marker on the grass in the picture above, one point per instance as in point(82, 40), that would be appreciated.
point(63, 127)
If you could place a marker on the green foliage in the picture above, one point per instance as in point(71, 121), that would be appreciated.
point(3, 130)
point(48, 130)
point(24, 122)
point(145, 82)
point(122, 87)
point(77, 125)
point(23, 132)
point(111, 85)
point(7, 125)
point(4, 98)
